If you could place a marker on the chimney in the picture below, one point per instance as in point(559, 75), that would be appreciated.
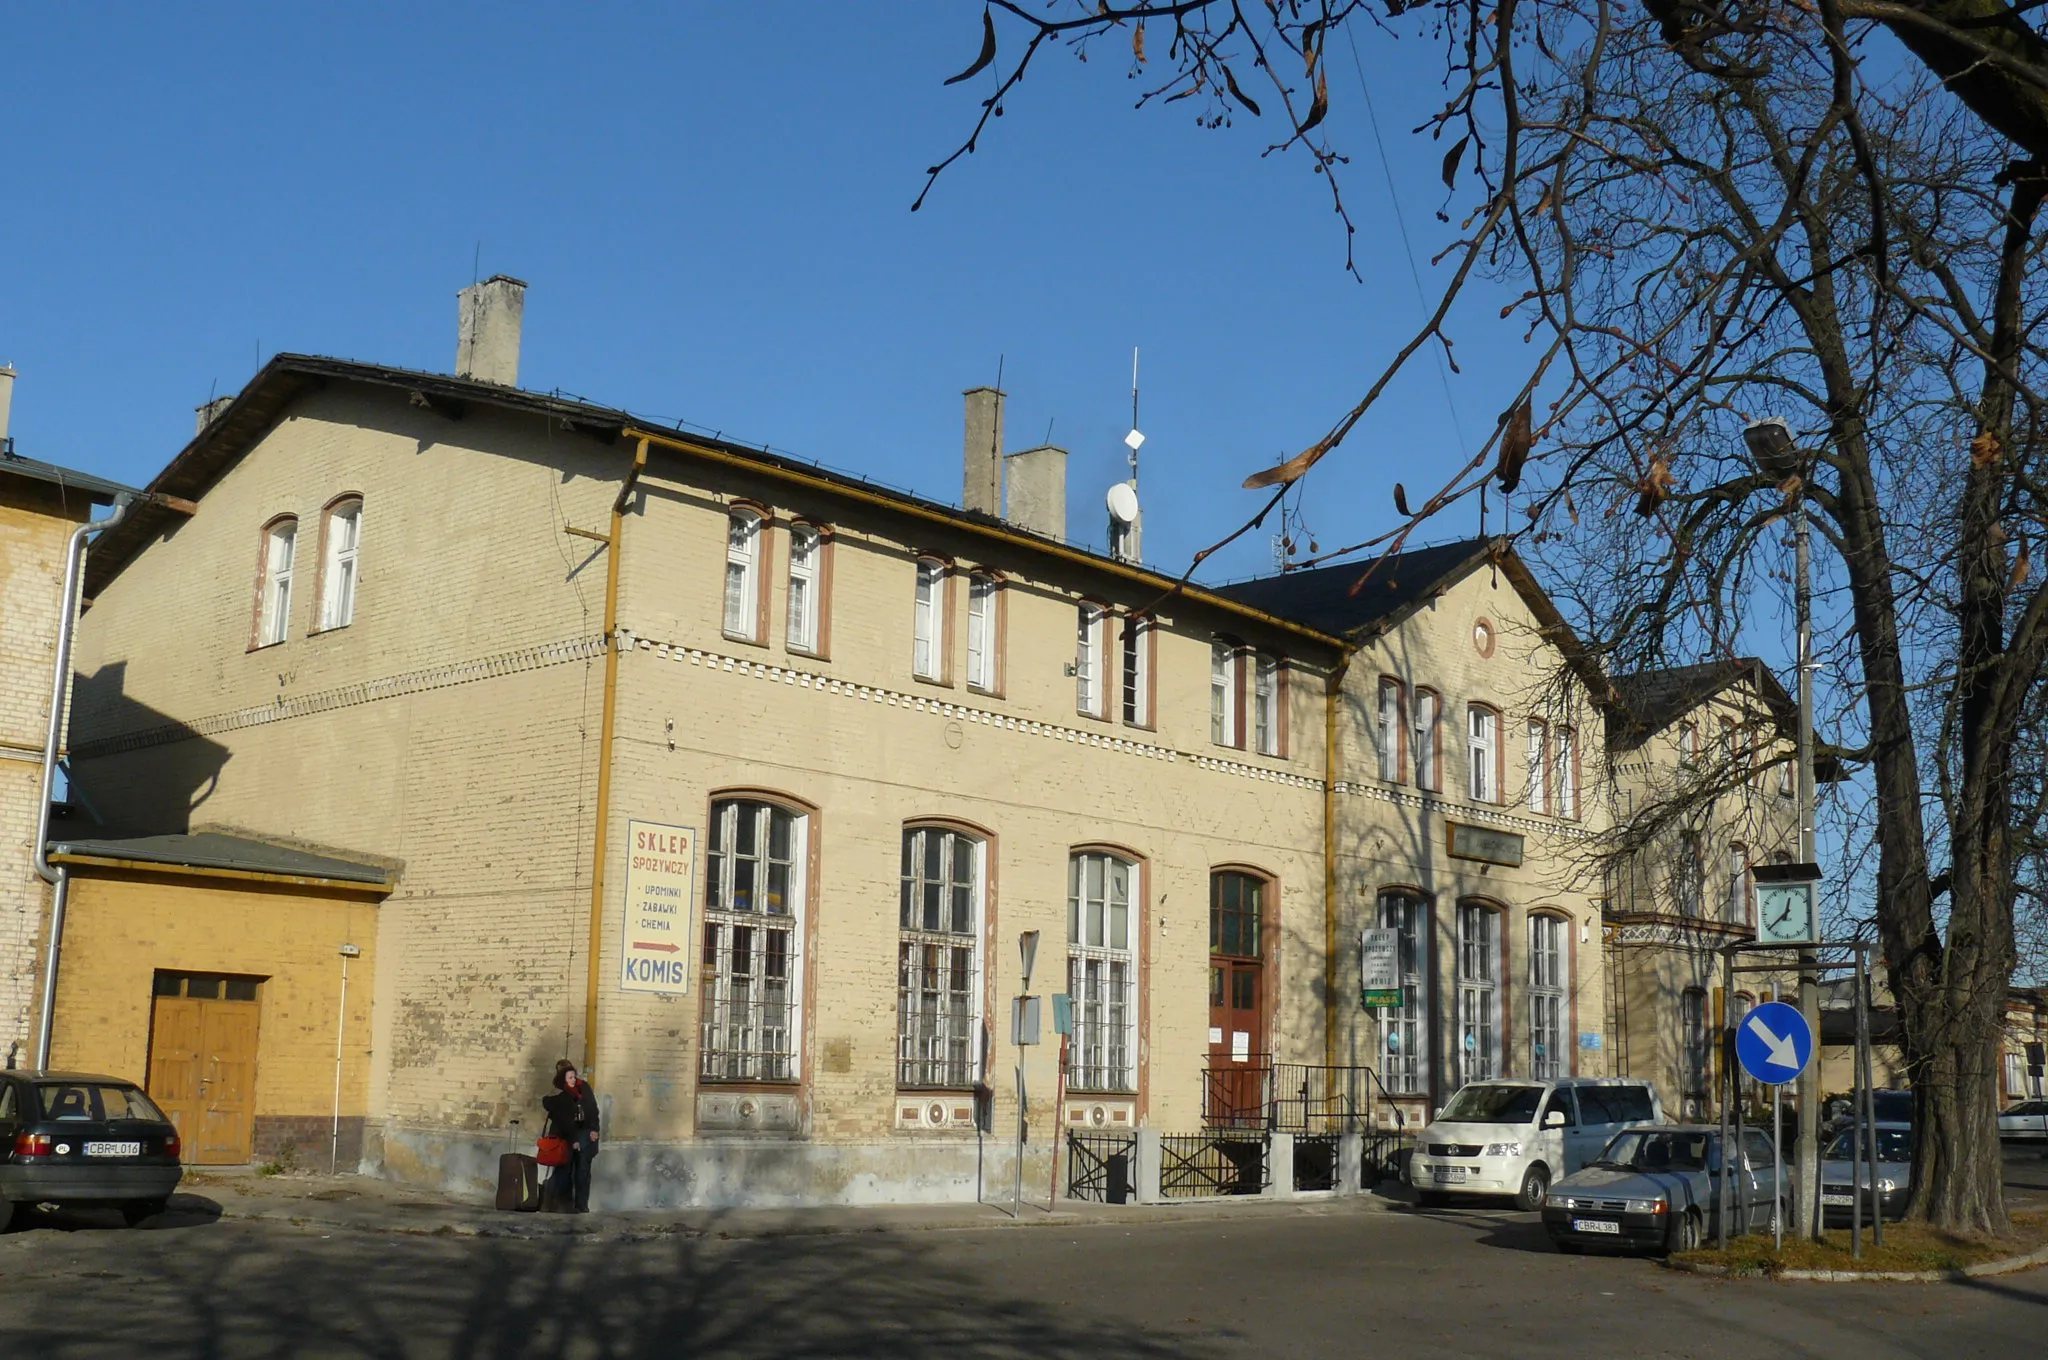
point(6, 398)
point(209, 411)
point(983, 488)
point(487, 332)
point(1038, 491)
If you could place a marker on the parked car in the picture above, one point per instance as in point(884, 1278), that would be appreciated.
point(1516, 1137)
point(2026, 1121)
point(1658, 1189)
point(1890, 1106)
point(72, 1138)
point(1838, 1173)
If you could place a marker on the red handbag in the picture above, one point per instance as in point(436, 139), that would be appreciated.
point(552, 1152)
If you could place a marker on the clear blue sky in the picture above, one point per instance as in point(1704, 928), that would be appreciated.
point(711, 205)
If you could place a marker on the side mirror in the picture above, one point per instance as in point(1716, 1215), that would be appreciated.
point(1437, 1113)
point(1554, 1120)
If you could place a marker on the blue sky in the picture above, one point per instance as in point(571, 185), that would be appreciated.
point(710, 202)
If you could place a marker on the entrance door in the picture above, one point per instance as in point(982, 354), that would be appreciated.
point(1239, 1065)
point(202, 1063)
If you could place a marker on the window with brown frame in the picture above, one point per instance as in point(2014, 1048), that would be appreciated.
point(1226, 726)
point(341, 537)
point(928, 628)
point(1268, 705)
point(1564, 774)
point(1426, 741)
point(743, 574)
point(1138, 633)
point(1539, 765)
point(1549, 977)
point(274, 581)
point(754, 910)
point(938, 970)
point(1483, 752)
point(1091, 660)
point(985, 633)
point(810, 580)
point(1392, 726)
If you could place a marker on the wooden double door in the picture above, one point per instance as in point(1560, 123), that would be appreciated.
point(202, 1065)
point(1239, 1062)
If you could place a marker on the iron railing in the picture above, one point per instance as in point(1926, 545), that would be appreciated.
point(1199, 1165)
point(1102, 1167)
point(1307, 1100)
point(1315, 1161)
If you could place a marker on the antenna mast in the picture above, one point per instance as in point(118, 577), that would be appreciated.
point(1134, 439)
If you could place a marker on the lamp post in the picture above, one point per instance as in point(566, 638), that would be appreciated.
point(1024, 1030)
point(1770, 444)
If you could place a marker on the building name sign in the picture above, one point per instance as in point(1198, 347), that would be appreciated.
point(1379, 968)
point(661, 877)
point(1485, 844)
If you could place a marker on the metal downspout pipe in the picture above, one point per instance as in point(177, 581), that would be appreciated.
point(58, 876)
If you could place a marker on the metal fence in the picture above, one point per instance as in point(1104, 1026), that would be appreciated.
point(1220, 1162)
point(1315, 1161)
point(1102, 1168)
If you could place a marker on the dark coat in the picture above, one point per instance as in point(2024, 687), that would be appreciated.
point(574, 1117)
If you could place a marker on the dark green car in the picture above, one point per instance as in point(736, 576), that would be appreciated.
point(73, 1138)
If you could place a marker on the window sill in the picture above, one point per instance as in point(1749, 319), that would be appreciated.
point(936, 682)
point(1118, 1092)
point(984, 693)
point(746, 641)
point(266, 646)
point(775, 1085)
point(808, 655)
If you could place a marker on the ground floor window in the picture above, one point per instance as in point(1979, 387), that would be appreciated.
point(938, 974)
point(1404, 1029)
point(753, 923)
point(1102, 971)
point(1548, 951)
point(1478, 1053)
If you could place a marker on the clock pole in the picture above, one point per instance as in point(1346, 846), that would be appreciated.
point(1805, 1216)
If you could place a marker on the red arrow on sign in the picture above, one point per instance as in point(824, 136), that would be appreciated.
point(664, 948)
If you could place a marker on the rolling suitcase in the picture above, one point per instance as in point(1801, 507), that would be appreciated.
point(518, 1183)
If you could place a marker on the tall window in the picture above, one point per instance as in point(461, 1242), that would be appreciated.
point(1265, 704)
point(1404, 1031)
point(1738, 1011)
point(1730, 747)
point(1483, 724)
point(1423, 741)
point(1390, 730)
point(274, 611)
point(1738, 884)
point(1688, 743)
point(938, 973)
point(1564, 773)
point(1693, 1049)
point(806, 549)
point(344, 534)
point(1785, 779)
point(753, 935)
point(1137, 672)
point(1236, 903)
point(1091, 683)
point(928, 621)
point(1548, 954)
point(983, 608)
point(1478, 993)
point(1102, 971)
point(1688, 876)
point(1223, 693)
point(743, 576)
point(1539, 766)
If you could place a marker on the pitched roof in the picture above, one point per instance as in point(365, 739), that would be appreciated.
point(97, 490)
point(1652, 700)
point(1333, 600)
point(215, 850)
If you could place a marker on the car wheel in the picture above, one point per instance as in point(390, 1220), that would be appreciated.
point(6, 1212)
point(1535, 1189)
point(143, 1209)
point(1432, 1199)
point(1685, 1232)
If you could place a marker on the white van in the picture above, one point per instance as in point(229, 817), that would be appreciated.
point(1516, 1137)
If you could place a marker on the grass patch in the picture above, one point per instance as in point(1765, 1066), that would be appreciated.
point(1907, 1246)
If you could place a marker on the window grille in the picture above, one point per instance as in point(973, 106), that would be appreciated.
point(1547, 981)
point(1484, 743)
point(753, 932)
point(1478, 982)
point(938, 977)
point(1101, 972)
point(981, 632)
point(927, 624)
point(338, 576)
point(1693, 1043)
point(280, 545)
point(1404, 1029)
point(805, 549)
point(742, 578)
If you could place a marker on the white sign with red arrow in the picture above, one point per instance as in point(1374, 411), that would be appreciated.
point(661, 876)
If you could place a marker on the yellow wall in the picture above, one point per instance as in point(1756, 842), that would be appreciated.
point(120, 930)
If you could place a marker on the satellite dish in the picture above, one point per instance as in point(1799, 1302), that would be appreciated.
point(1123, 503)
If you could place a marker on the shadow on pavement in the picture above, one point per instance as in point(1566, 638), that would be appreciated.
point(184, 1211)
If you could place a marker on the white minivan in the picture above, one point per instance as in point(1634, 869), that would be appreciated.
point(1516, 1137)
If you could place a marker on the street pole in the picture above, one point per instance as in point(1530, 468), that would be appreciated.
point(1805, 1216)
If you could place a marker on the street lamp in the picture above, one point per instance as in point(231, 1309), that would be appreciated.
point(1770, 444)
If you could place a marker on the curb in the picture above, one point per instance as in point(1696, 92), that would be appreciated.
point(2010, 1265)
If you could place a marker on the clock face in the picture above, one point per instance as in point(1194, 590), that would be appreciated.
point(1784, 911)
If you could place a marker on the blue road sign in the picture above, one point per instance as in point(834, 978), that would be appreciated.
point(1774, 1044)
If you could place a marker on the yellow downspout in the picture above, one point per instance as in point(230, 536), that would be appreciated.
point(601, 832)
point(1331, 692)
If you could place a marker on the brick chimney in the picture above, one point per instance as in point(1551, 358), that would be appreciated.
point(1038, 491)
point(206, 413)
point(6, 398)
point(487, 332)
point(983, 486)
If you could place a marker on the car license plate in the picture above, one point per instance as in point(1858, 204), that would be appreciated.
point(1844, 1200)
point(1595, 1225)
point(113, 1149)
point(1448, 1175)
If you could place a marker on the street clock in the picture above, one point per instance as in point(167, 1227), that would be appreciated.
point(1787, 903)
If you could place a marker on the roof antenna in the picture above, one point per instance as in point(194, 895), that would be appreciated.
point(1133, 440)
point(476, 262)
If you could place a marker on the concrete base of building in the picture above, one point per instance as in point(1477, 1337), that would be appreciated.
point(727, 1173)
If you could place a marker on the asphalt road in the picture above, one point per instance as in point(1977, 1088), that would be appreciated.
point(1334, 1283)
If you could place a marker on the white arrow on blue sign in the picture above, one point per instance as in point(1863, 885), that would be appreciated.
point(1774, 1044)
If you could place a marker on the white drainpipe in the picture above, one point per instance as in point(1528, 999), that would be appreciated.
point(60, 692)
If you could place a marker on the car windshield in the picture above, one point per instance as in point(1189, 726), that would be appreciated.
point(1893, 1145)
point(1489, 1104)
point(88, 1100)
point(1659, 1150)
point(1893, 1107)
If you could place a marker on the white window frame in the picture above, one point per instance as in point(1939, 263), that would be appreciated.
point(1539, 765)
point(940, 920)
point(1223, 686)
point(743, 574)
point(1482, 748)
point(1738, 884)
point(1564, 781)
point(339, 573)
point(750, 1032)
point(1102, 975)
point(1688, 743)
point(280, 551)
point(1392, 735)
point(1693, 1056)
point(1689, 876)
point(1404, 1029)
point(1091, 687)
point(1136, 679)
point(984, 610)
point(806, 572)
point(1549, 977)
point(1266, 689)
point(928, 621)
point(1478, 1053)
point(1425, 742)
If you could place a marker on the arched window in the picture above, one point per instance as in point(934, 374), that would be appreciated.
point(928, 621)
point(1404, 1029)
point(1483, 745)
point(342, 533)
point(1426, 742)
point(274, 597)
point(1102, 970)
point(1479, 1012)
point(806, 587)
point(754, 897)
point(1392, 704)
point(1549, 977)
point(984, 632)
point(938, 961)
point(1224, 693)
point(743, 575)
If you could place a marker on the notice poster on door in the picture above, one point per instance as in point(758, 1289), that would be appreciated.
point(661, 874)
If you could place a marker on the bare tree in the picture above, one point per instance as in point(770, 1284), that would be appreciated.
point(1716, 212)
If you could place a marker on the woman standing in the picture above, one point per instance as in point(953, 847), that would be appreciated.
point(572, 1117)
